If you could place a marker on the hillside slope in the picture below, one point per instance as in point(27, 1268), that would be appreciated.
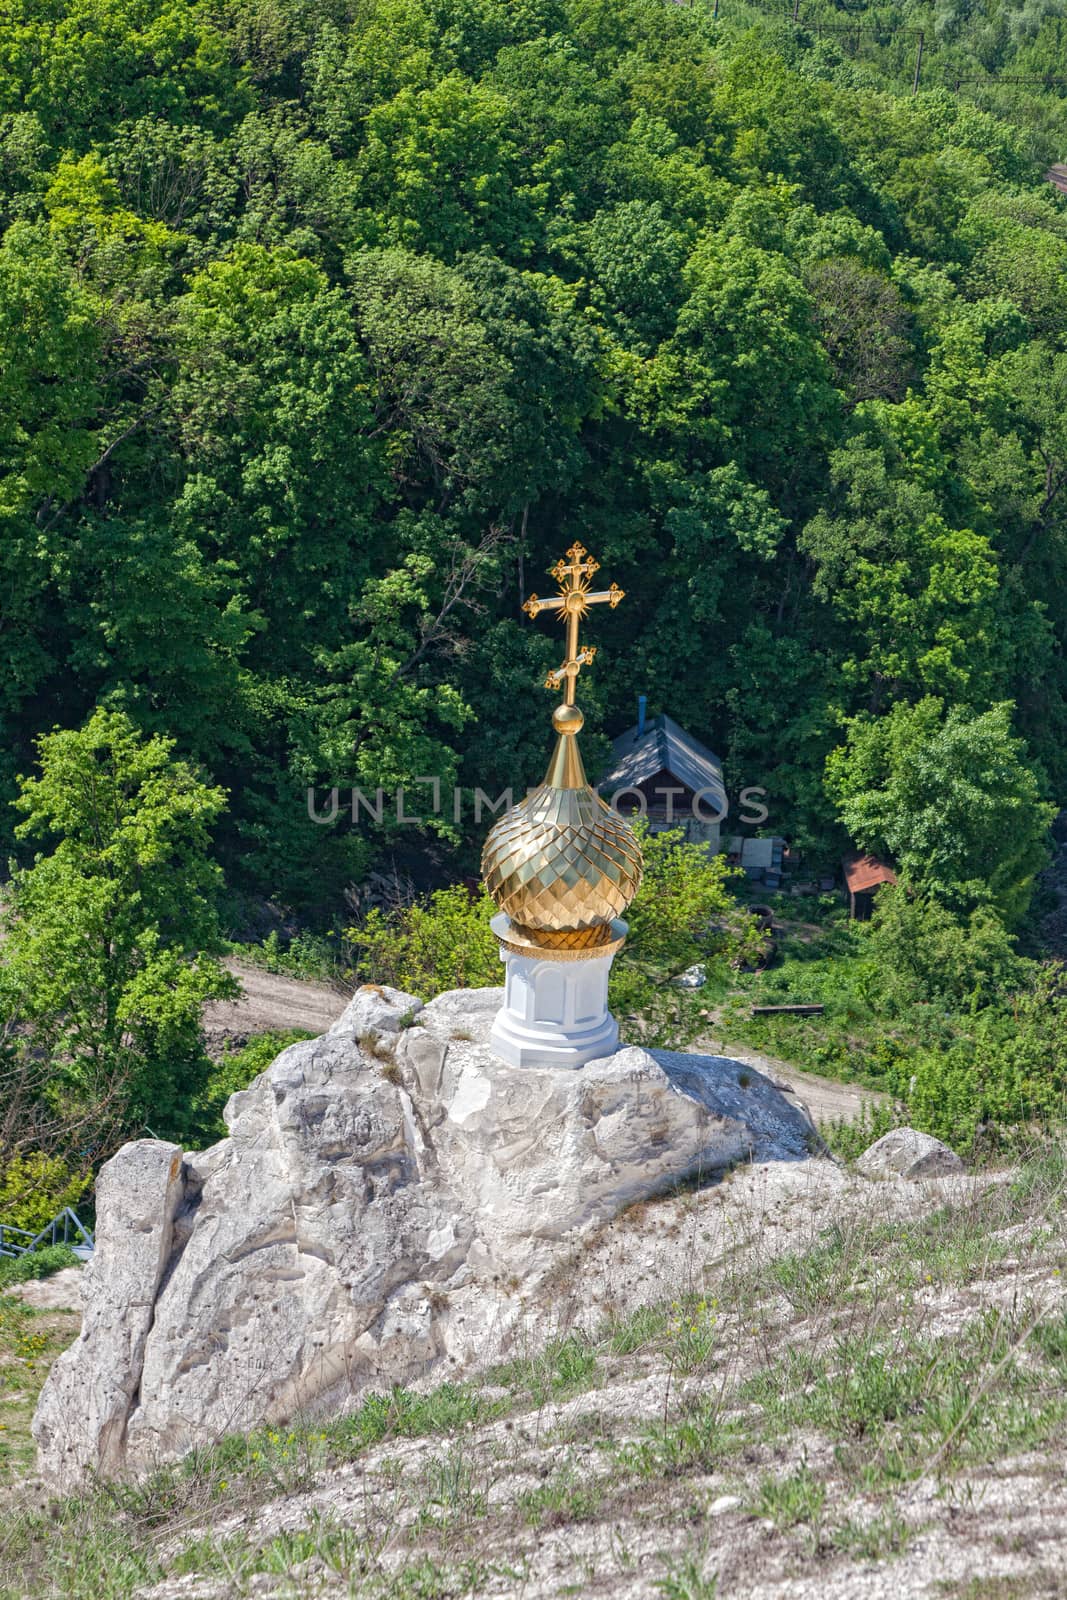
point(793, 1383)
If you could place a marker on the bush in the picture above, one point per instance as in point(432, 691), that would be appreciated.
point(925, 953)
point(682, 913)
point(310, 956)
point(683, 910)
point(1004, 1082)
point(849, 1137)
point(35, 1187)
point(441, 942)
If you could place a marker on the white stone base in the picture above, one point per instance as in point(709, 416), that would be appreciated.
point(555, 1013)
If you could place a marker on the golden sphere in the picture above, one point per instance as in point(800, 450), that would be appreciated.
point(568, 719)
point(562, 860)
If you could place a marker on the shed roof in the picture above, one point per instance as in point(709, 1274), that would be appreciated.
point(664, 747)
point(866, 872)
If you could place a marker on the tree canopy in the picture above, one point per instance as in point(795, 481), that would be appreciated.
point(324, 328)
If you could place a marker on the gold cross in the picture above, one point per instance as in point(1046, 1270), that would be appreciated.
point(573, 602)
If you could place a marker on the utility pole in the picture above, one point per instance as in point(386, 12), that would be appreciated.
point(918, 63)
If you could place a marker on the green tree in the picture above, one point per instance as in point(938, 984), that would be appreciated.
point(682, 910)
point(439, 170)
point(950, 795)
point(112, 937)
point(865, 327)
point(320, 327)
point(916, 594)
point(744, 372)
point(49, 340)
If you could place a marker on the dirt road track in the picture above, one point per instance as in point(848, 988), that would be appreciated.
point(271, 1003)
point(825, 1099)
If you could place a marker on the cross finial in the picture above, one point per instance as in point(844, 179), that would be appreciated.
point(573, 602)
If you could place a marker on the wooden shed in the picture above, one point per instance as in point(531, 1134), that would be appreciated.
point(864, 876)
point(661, 771)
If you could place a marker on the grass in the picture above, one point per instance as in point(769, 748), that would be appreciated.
point(454, 1492)
point(686, 1580)
point(848, 1137)
point(798, 1497)
point(821, 960)
point(812, 1279)
point(699, 1441)
point(1022, 1587)
point(881, 1538)
point(833, 1344)
point(902, 1408)
point(863, 1035)
point(641, 1330)
point(312, 957)
point(683, 1330)
point(858, 1262)
point(30, 1340)
point(564, 1367)
point(104, 1545)
point(36, 1264)
point(563, 1499)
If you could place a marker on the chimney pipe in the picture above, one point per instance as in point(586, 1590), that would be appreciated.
point(642, 703)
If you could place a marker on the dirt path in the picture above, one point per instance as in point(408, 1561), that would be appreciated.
point(824, 1099)
point(270, 1003)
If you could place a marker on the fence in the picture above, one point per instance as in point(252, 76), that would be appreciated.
point(64, 1227)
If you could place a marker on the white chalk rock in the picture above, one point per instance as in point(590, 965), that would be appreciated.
point(904, 1153)
point(381, 1190)
point(85, 1404)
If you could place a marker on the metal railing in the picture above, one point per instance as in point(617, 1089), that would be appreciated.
point(64, 1228)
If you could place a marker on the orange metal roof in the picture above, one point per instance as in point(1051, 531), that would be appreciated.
point(866, 872)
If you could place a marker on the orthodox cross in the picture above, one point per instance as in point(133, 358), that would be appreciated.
point(573, 602)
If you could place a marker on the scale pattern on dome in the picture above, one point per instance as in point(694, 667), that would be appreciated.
point(562, 859)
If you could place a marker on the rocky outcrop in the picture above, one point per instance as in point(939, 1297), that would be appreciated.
point(383, 1192)
point(137, 1195)
point(904, 1153)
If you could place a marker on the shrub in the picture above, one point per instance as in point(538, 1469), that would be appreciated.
point(683, 909)
point(441, 942)
point(1010, 1074)
point(35, 1187)
point(308, 955)
point(849, 1137)
point(682, 913)
point(925, 953)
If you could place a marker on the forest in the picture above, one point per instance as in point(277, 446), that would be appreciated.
point(325, 326)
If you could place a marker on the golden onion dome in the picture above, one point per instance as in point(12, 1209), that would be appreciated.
point(562, 862)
